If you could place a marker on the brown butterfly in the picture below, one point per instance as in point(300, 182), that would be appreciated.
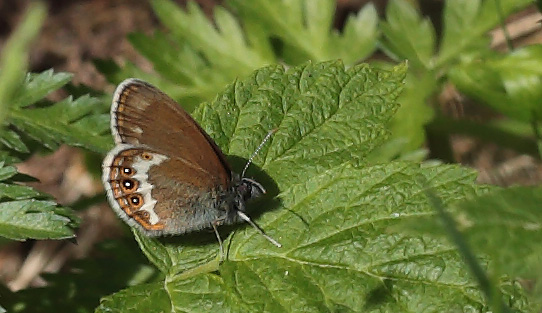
point(166, 176)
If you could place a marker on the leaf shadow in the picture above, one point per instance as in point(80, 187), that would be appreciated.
point(380, 295)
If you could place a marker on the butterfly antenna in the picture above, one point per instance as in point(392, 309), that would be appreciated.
point(247, 219)
point(269, 134)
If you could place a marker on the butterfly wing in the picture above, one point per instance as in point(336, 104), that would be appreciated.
point(166, 175)
point(142, 114)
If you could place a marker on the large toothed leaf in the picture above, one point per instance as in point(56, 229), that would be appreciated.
point(334, 215)
point(324, 116)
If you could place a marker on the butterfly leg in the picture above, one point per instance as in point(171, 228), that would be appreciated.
point(215, 228)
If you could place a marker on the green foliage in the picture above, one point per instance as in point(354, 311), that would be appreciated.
point(23, 215)
point(26, 119)
point(503, 227)
point(15, 55)
point(81, 122)
point(332, 212)
point(305, 28)
point(24, 112)
point(506, 225)
point(197, 58)
point(407, 35)
point(511, 83)
point(335, 201)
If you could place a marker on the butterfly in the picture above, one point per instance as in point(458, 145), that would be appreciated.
point(165, 175)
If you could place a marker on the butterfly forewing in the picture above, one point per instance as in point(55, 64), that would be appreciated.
point(142, 114)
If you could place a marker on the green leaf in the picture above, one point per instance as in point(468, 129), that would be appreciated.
point(143, 298)
point(467, 21)
point(13, 141)
point(414, 111)
point(81, 122)
point(198, 58)
point(14, 59)
point(359, 37)
point(306, 103)
point(333, 215)
point(337, 253)
point(179, 65)
point(507, 225)
point(180, 254)
point(36, 219)
point(23, 216)
point(305, 26)
point(510, 84)
point(223, 45)
point(407, 35)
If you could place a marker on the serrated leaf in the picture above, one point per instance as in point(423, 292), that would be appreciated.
point(18, 192)
point(223, 45)
point(180, 65)
point(337, 253)
point(306, 29)
point(77, 122)
point(458, 18)
point(13, 141)
point(23, 219)
point(7, 171)
point(143, 298)
point(334, 219)
point(23, 216)
point(198, 58)
point(359, 37)
point(324, 115)
point(407, 35)
point(414, 112)
point(38, 86)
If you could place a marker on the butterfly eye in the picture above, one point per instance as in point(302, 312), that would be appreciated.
point(146, 156)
